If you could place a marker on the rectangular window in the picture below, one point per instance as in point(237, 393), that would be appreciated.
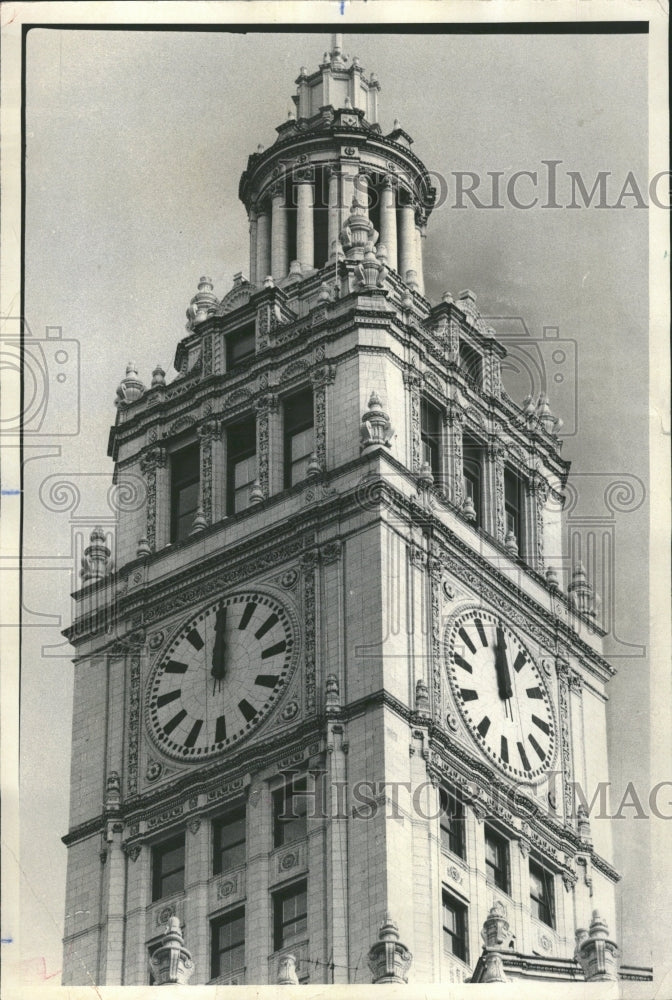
point(228, 842)
point(471, 364)
point(541, 894)
point(513, 507)
point(299, 437)
point(168, 868)
point(472, 468)
point(241, 463)
point(289, 812)
point(240, 345)
point(185, 475)
point(497, 859)
point(227, 944)
point(452, 824)
point(430, 435)
point(290, 916)
point(455, 928)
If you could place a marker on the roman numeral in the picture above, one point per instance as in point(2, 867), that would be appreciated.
point(519, 662)
point(220, 729)
point(175, 667)
point(504, 752)
point(483, 726)
point(481, 631)
point(266, 627)
point(193, 735)
point(461, 662)
point(165, 699)
point(175, 721)
point(246, 710)
point(540, 753)
point(469, 694)
point(194, 638)
point(466, 639)
point(247, 614)
point(266, 680)
point(544, 726)
point(523, 757)
point(534, 693)
point(279, 647)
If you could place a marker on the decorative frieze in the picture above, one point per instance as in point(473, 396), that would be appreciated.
point(154, 459)
point(133, 725)
point(308, 565)
point(563, 672)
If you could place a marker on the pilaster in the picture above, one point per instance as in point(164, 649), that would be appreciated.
point(154, 467)
point(197, 868)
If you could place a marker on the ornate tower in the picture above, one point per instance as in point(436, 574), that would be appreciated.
point(342, 687)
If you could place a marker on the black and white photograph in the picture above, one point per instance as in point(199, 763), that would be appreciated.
point(335, 499)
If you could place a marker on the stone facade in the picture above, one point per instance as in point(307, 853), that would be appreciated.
point(374, 555)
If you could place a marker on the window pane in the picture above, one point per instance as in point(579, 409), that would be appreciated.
point(240, 345)
point(184, 490)
point(302, 444)
point(229, 848)
point(245, 471)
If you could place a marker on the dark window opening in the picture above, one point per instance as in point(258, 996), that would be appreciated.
point(290, 807)
point(471, 364)
point(290, 916)
point(241, 464)
point(240, 345)
point(472, 469)
point(541, 894)
point(185, 474)
point(168, 868)
point(228, 842)
point(227, 944)
point(375, 194)
point(430, 435)
point(299, 438)
point(455, 928)
point(497, 860)
point(321, 219)
point(513, 507)
point(290, 212)
point(452, 824)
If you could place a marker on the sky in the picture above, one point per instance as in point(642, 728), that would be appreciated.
point(135, 142)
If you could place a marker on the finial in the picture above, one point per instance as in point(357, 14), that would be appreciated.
point(421, 697)
point(96, 562)
point(143, 550)
point(333, 698)
point(396, 124)
point(375, 429)
point(287, 971)
point(158, 376)
point(203, 303)
point(347, 103)
point(200, 523)
point(389, 960)
point(314, 467)
point(336, 45)
point(131, 387)
point(468, 509)
point(552, 581)
point(256, 492)
point(595, 952)
point(261, 147)
point(511, 543)
point(171, 963)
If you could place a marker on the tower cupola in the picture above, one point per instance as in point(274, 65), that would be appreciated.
point(299, 192)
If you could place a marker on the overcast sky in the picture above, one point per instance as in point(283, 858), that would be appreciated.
point(135, 145)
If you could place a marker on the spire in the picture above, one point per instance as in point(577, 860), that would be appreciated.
point(336, 46)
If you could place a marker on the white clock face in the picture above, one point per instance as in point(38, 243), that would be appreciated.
point(221, 675)
point(501, 694)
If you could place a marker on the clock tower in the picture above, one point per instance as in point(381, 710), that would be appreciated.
point(332, 695)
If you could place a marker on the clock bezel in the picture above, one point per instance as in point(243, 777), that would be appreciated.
point(288, 618)
point(537, 774)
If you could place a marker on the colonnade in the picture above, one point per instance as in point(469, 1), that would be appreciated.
point(402, 228)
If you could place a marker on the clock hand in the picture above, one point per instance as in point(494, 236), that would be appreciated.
point(502, 667)
point(218, 670)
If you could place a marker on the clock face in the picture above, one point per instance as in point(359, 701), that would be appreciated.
point(221, 675)
point(501, 694)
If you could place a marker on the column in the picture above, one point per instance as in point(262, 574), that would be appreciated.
point(253, 246)
point(279, 254)
point(407, 239)
point(305, 235)
point(334, 218)
point(263, 246)
point(137, 900)
point(420, 235)
point(388, 221)
point(197, 871)
point(362, 190)
point(348, 175)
